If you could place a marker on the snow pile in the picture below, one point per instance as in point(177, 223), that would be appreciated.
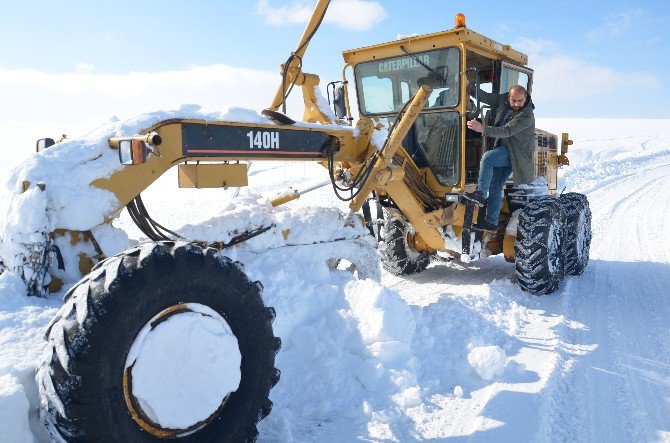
point(14, 407)
point(24, 223)
point(253, 212)
point(22, 323)
point(385, 321)
point(487, 361)
point(601, 140)
point(450, 328)
point(592, 176)
point(341, 337)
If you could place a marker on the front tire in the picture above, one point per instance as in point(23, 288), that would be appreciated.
point(398, 257)
point(538, 246)
point(83, 379)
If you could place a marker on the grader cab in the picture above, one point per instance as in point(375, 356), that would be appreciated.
point(410, 155)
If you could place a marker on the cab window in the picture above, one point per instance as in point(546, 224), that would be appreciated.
point(384, 86)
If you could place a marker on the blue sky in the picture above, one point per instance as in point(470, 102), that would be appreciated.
point(592, 59)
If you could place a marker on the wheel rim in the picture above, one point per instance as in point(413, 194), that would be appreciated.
point(180, 370)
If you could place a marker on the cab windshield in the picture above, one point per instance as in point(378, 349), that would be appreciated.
point(385, 85)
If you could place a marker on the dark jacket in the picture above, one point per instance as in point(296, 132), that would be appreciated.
point(518, 134)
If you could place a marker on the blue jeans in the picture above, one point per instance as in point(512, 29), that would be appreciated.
point(494, 170)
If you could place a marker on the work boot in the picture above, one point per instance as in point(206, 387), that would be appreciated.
point(475, 197)
point(485, 225)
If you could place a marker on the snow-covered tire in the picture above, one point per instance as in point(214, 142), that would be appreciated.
point(538, 246)
point(577, 241)
point(397, 256)
point(82, 376)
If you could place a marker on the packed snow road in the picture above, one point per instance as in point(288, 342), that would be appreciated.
point(615, 365)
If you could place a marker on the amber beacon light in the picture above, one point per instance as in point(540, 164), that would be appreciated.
point(459, 21)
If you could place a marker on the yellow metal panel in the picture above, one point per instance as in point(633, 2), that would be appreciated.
point(508, 247)
point(208, 175)
point(128, 182)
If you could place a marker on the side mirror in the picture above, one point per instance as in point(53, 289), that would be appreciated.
point(339, 104)
point(132, 152)
point(44, 143)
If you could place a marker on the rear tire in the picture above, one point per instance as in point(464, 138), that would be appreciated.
point(81, 377)
point(577, 241)
point(398, 257)
point(538, 246)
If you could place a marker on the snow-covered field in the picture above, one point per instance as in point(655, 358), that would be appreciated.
point(456, 352)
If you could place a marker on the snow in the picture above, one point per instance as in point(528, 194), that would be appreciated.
point(14, 404)
point(380, 133)
point(253, 212)
point(385, 322)
point(456, 352)
point(183, 369)
point(22, 322)
point(323, 104)
point(487, 361)
point(68, 170)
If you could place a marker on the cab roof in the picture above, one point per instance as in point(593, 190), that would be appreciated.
point(428, 42)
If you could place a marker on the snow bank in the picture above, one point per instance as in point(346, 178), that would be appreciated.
point(251, 212)
point(326, 363)
point(14, 406)
point(599, 139)
point(22, 322)
point(592, 176)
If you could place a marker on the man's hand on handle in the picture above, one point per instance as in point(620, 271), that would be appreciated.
point(475, 125)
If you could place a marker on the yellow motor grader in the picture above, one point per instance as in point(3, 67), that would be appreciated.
point(406, 163)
